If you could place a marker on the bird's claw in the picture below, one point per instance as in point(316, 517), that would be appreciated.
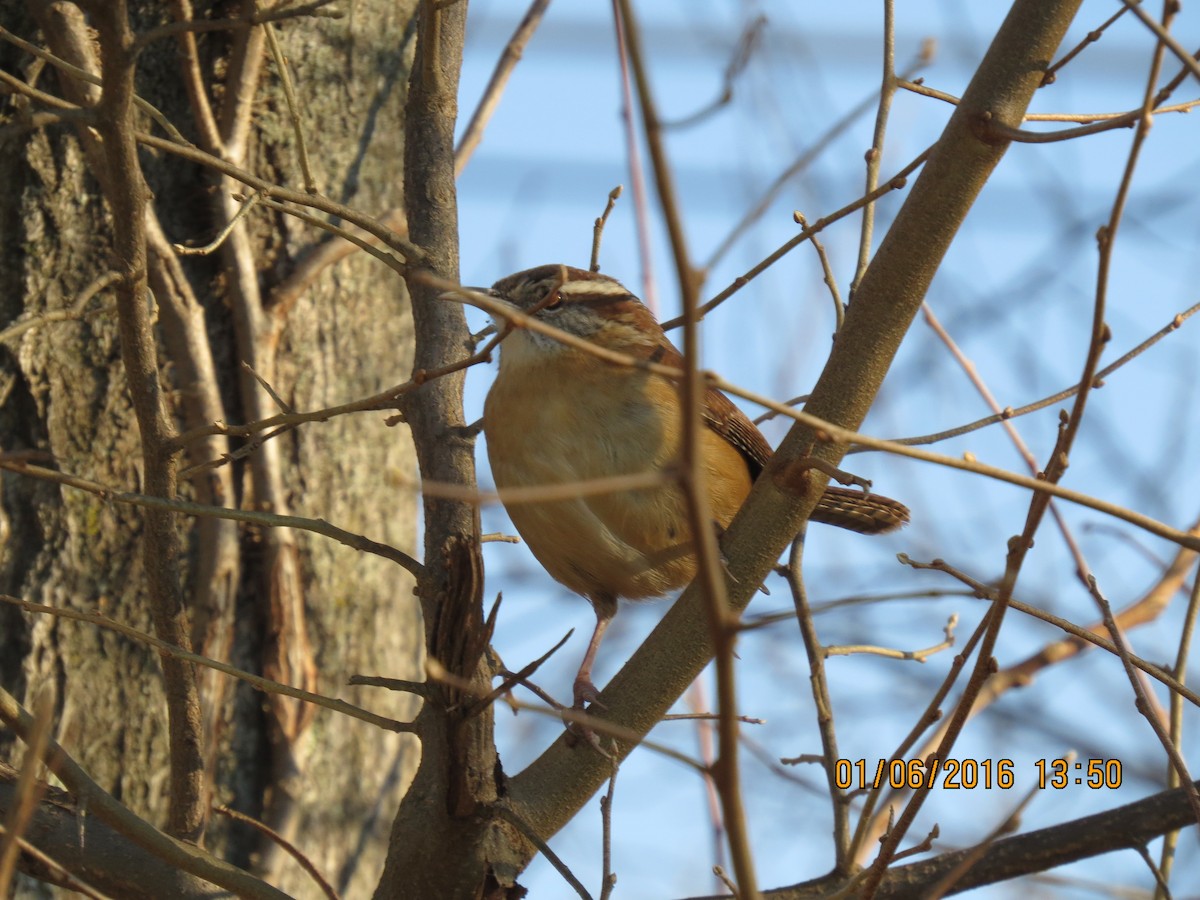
point(585, 692)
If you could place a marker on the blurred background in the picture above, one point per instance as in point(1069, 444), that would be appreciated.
point(1016, 293)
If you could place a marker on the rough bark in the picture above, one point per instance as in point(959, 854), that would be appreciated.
point(63, 393)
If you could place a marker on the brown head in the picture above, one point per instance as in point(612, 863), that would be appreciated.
point(587, 304)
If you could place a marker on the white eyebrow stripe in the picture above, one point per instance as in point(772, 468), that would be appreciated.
point(608, 288)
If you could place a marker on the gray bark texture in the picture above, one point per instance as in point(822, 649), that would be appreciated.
point(292, 606)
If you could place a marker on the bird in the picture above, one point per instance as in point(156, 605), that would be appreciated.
point(559, 415)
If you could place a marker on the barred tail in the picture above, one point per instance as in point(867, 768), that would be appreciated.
point(864, 513)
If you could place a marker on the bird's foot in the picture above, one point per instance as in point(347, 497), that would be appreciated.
point(585, 693)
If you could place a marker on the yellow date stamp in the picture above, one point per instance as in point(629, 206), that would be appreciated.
point(970, 774)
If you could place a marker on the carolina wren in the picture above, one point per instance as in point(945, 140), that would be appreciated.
point(558, 415)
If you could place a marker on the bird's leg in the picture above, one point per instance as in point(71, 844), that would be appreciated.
point(585, 691)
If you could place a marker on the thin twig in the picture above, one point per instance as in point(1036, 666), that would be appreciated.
point(194, 83)
point(1100, 333)
point(493, 537)
point(284, 407)
point(972, 373)
point(20, 87)
point(76, 310)
point(215, 244)
point(823, 703)
point(608, 878)
point(1009, 824)
point(518, 677)
point(709, 717)
point(1097, 122)
point(887, 92)
point(743, 50)
point(723, 877)
point(288, 421)
point(833, 433)
point(984, 637)
point(1115, 119)
point(534, 689)
point(324, 253)
point(637, 176)
point(839, 308)
point(1092, 37)
point(543, 848)
point(1143, 701)
point(1162, 890)
point(418, 688)
point(598, 228)
point(890, 653)
point(707, 751)
point(289, 96)
point(281, 305)
point(385, 399)
point(1020, 136)
point(1009, 413)
point(305, 863)
point(1171, 839)
point(664, 180)
point(1022, 673)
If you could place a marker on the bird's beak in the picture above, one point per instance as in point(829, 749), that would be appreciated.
point(495, 308)
point(461, 296)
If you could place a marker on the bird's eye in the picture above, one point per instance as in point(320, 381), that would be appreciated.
point(552, 301)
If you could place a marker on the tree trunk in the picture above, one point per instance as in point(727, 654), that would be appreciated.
point(292, 605)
